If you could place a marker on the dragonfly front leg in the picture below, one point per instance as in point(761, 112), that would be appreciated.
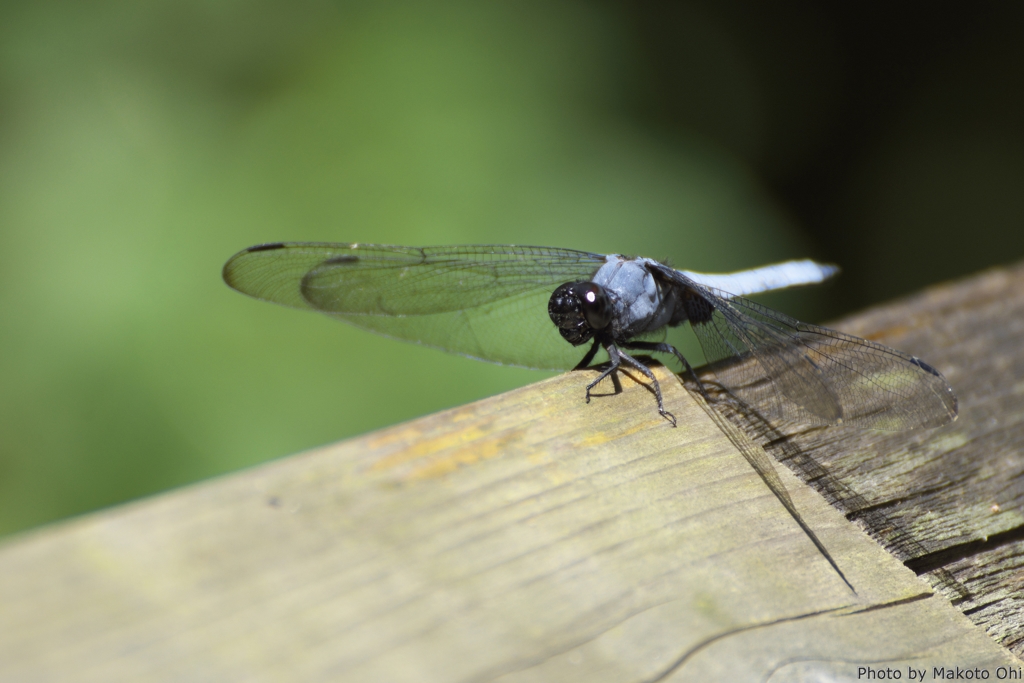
point(613, 356)
point(649, 375)
point(585, 363)
point(616, 356)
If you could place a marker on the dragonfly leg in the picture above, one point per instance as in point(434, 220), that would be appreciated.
point(582, 365)
point(649, 375)
point(668, 348)
point(613, 356)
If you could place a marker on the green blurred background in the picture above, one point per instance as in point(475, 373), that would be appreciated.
point(142, 143)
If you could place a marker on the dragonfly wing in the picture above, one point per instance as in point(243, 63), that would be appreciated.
point(274, 272)
point(487, 302)
point(876, 386)
point(771, 371)
point(787, 368)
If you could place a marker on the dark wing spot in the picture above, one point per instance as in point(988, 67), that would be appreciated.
point(924, 366)
point(344, 258)
point(266, 247)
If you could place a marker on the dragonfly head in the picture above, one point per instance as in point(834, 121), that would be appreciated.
point(579, 309)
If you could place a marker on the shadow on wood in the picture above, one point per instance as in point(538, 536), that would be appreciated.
point(950, 501)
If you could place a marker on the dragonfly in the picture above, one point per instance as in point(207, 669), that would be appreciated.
point(555, 309)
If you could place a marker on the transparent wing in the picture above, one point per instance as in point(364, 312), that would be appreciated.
point(487, 302)
point(787, 368)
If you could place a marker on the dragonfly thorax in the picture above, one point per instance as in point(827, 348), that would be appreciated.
point(579, 309)
point(640, 302)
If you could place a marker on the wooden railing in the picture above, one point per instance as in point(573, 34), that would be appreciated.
point(533, 537)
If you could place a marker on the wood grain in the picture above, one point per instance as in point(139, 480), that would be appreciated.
point(533, 537)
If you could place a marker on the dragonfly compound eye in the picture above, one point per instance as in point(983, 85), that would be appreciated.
point(596, 308)
point(578, 309)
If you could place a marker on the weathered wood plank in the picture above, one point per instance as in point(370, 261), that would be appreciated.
point(533, 537)
point(527, 537)
point(950, 501)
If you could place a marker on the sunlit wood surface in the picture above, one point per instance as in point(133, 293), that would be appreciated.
point(533, 537)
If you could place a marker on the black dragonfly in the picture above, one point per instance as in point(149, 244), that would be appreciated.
point(535, 306)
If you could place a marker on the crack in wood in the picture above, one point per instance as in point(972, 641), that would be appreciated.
point(947, 556)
